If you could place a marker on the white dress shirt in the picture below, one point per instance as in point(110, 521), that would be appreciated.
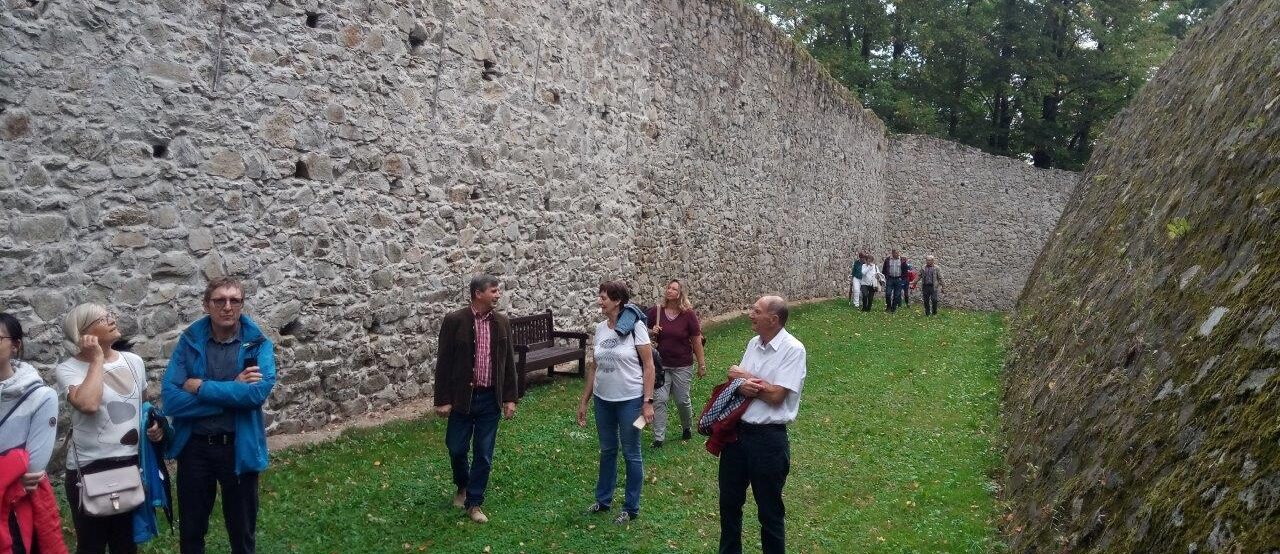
point(780, 362)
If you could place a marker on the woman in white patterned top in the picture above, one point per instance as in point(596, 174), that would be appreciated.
point(105, 388)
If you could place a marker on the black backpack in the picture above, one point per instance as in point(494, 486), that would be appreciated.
point(659, 375)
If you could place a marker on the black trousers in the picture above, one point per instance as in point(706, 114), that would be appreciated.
point(95, 535)
point(868, 297)
point(202, 468)
point(761, 459)
point(930, 299)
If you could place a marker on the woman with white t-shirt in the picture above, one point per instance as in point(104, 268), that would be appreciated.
point(621, 384)
point(105, 389)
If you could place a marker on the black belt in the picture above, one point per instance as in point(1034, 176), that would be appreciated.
point(481, 389)
point(223, 439)
point(744, 426)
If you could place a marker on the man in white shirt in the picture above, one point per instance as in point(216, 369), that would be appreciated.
point(774, 367)
point(871, 280)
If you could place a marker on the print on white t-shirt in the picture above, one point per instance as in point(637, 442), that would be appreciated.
point(112, 431)
point(619, 375)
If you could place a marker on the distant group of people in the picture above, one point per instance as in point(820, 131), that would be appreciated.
point(897, 277)
point(220, 373)
point(476, 387)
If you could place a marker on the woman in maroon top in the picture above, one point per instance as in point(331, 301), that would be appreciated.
point(678, 334)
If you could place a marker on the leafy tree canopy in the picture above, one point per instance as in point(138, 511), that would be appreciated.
point(1032, 79)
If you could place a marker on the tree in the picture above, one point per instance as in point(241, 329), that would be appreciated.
point(1033, 79)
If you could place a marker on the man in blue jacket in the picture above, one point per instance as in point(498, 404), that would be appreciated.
point(220, 374)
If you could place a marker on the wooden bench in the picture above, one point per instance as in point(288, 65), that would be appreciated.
point(536, 349)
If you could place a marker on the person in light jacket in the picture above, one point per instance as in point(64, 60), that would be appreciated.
point(30, 409)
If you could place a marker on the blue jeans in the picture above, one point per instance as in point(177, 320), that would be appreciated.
point(613, 421)
point(482, 424)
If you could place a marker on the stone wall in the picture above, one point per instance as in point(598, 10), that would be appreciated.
point(1142, 400)
point(984, 217)
point(356, 161)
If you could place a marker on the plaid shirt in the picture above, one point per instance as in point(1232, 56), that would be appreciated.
point(484, 361)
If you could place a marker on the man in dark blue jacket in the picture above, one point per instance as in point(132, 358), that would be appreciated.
point(218, 378)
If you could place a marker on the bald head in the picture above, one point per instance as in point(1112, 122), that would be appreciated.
point(768, 315)
point(777, 306)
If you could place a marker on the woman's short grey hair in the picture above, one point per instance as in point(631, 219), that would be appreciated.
point(77, 319)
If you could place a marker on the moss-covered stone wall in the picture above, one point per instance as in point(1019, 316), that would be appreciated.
point(1141, 384)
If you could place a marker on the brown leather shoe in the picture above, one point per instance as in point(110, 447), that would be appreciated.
point(460, 499)
point(476, 515)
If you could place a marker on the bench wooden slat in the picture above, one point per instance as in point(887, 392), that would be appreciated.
point(548, 357)
point(536, 348)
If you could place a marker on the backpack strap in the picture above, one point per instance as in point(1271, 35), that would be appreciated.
point(19, 403)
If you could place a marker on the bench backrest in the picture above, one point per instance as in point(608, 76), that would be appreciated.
point(533, 331)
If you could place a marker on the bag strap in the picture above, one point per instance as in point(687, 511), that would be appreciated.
point(71, 439)
point(25, 395)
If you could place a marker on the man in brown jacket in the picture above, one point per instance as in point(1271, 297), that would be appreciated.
point(475, 374)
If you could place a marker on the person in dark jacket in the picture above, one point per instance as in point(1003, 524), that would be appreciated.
point(895, 273)
point(475, 387)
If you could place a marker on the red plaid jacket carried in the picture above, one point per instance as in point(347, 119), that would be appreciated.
point(719, 418)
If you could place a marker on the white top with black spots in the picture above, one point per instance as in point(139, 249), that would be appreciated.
point(112, 432)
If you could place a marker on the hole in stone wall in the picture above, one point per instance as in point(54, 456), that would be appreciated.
point(301, 170)
point(290, 328)
point(604, 113)
point(159, 150)
point(489, 73)
point(555, 97)
point(475, 195)
point(1131, 355)
point(417, 37)
point(313, 19)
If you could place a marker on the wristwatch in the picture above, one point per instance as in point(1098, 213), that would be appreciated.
point(648, 400)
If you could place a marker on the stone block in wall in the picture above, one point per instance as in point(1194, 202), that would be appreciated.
point(37, 229)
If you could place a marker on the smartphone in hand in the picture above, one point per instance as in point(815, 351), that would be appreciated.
point(247, 376)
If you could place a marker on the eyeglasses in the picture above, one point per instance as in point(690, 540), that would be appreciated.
point(106, 318)
point(233, 302)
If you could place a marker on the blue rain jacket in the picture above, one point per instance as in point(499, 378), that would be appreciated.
point(145, 526)
point(242, 399)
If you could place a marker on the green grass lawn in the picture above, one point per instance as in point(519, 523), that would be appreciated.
point(893, 451)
